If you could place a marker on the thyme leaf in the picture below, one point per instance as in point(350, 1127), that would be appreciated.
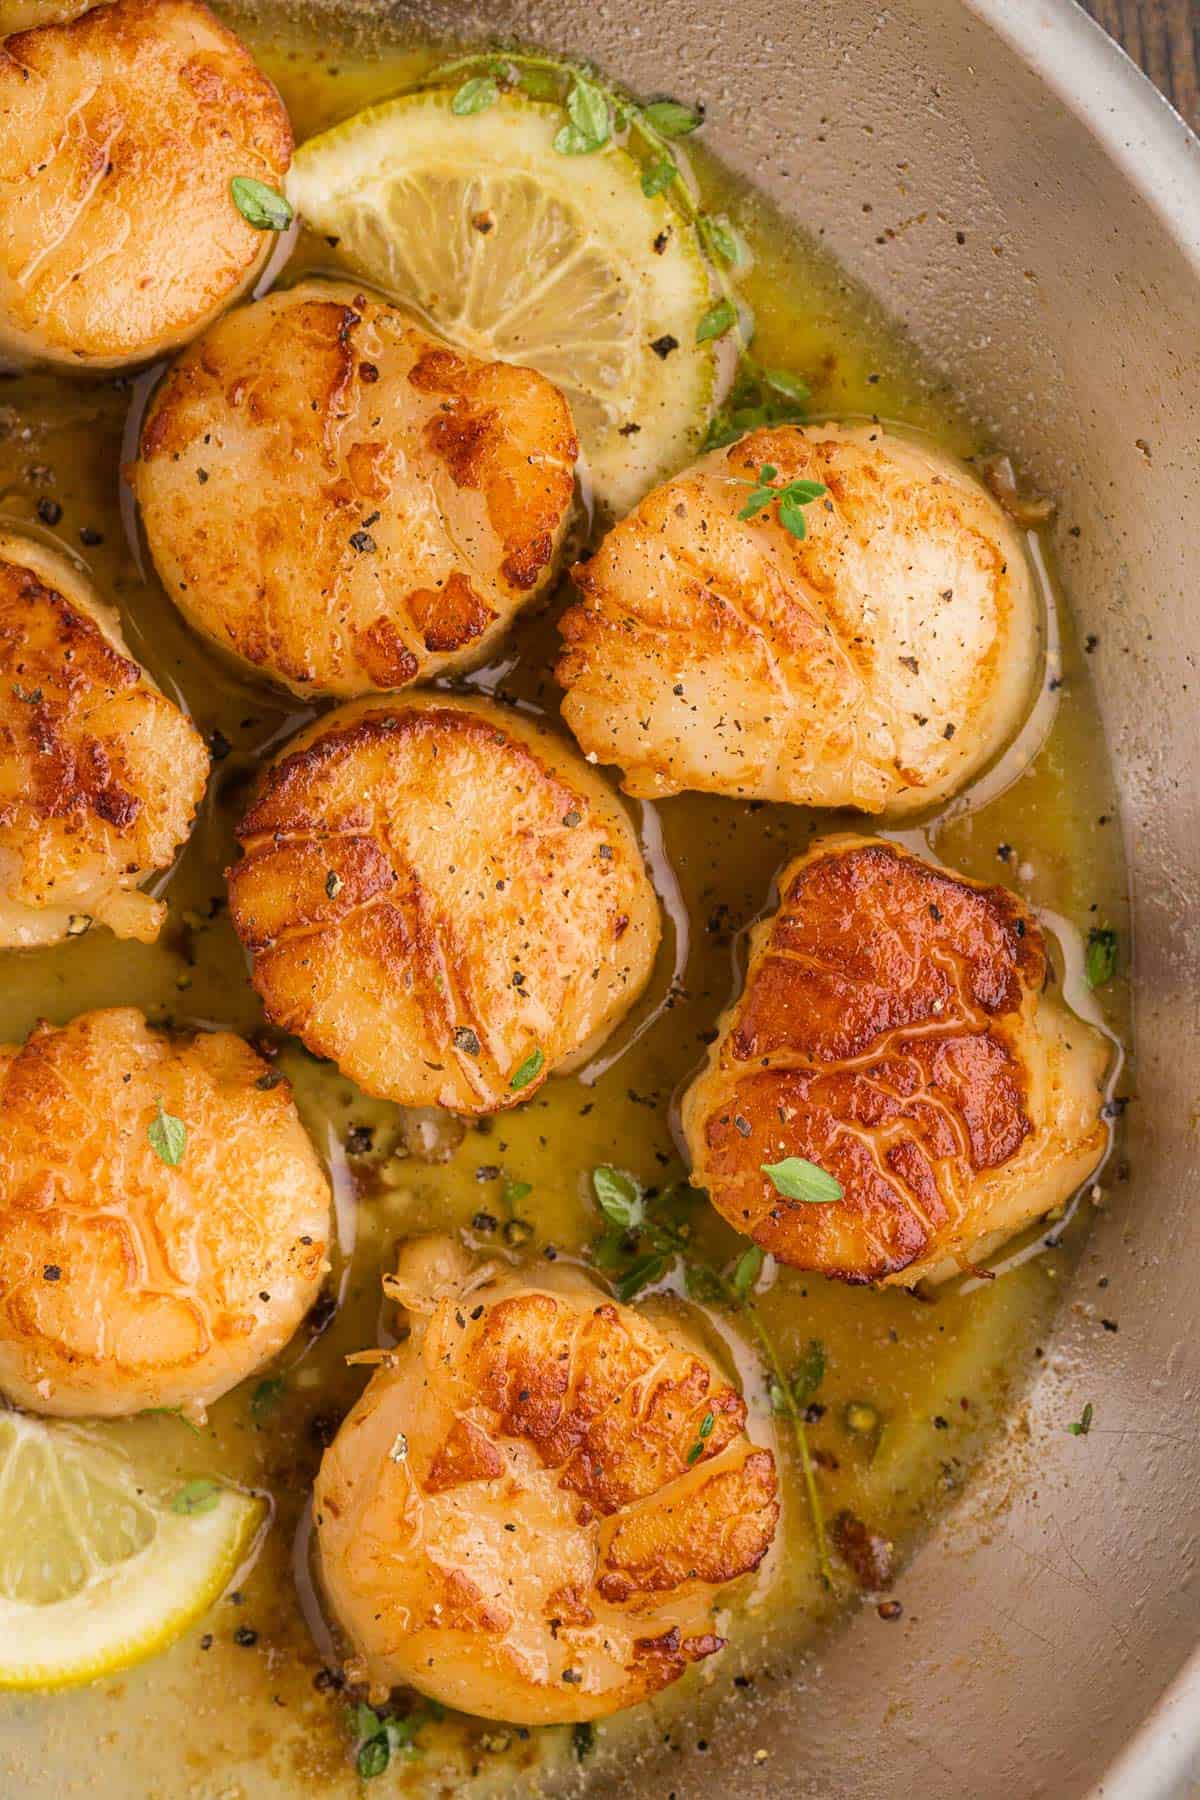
point(261, 206)
point(798, 1179)
point(199, 1496)
point(590, 125)
point(618, 1198)
point(791, 498)
point(475, 96)
point(671, 118)
point(719, 319)
point(168, 1137)
point(704, 1433)
point(658, 177)
point(529, 1070)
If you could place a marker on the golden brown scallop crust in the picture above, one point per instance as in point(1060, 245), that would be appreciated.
point(125, 1282)
point(340, 501)
point(572, 1491)
point(100, 774)
point(893, 1029)
point(434, 892)
point(879, 662)
point(120, 132)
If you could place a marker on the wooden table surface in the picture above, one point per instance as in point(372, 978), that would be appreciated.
point(1164, 37)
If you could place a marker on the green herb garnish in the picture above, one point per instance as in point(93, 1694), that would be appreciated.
point(798, 1179)
point(515, 1191)
point(266, 1397)
point(261, 206)
point(1101, 962)
point(672, 119)
point(720, 240)
point(644, 1273)
point(475, 95)
point(583, 1739)
point(590, 120)
point(379, 1738)
point(618, 1198)
point(200, 1496)
point(374, 1757)
point(168, 1136)
point(658, 177)
point(1081, 1426)
point(791, 500)
point(747, 1270)
point(717, 320)
point(705, 1432)
point(529, 1071)
point(759, 397)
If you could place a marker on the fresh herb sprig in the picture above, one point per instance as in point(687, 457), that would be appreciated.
point(643, 1238)
point(790, 497)
point(759, 396)
point(596, 113)
point(379, 1736)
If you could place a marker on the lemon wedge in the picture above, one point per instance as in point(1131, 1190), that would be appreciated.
point(512, 251)
point(95, 1572)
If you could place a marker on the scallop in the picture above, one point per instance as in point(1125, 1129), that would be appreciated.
point(878, 661)
point(100, 774)
point(344, 504)
point(899, 1030)
point(120, 134)
point(537, 1503)
point(440, 896)
point(163, 1217)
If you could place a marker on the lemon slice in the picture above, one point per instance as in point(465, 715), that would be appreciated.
point(512, 251)
point(96, 1573)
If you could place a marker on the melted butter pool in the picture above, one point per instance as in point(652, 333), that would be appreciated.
point(216, 1716)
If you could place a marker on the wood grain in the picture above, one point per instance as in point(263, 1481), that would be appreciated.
point(1163, 36)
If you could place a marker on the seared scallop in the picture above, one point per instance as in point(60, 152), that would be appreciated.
point(22, 15)
point(163, 1217)
point(342, 502)
point(877, 662)
point(440, 896)
point(120, 134)
point(100, 773)
point(899, 1031)
point(538, 1502)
